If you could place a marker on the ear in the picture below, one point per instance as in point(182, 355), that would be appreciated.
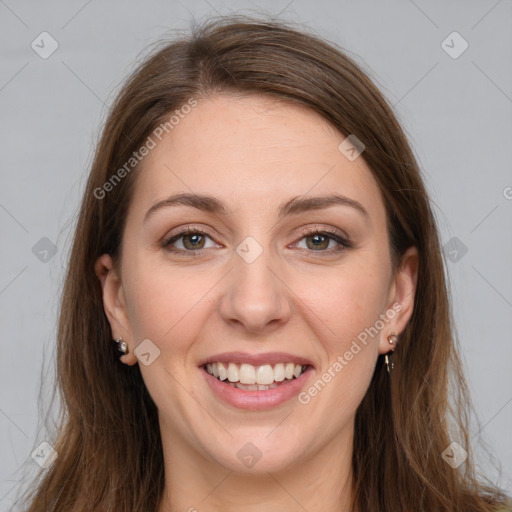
point(114, 304)
point(401, 298)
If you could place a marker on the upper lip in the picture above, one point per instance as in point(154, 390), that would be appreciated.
point(256, 359)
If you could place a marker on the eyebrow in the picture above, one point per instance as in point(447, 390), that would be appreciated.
point(293, 206)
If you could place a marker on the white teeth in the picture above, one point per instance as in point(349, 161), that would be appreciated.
point(223, 374)
point(252, 387)
point(233, 372)
point(247, 387)
point(288, 370)
point(252, 378)
point(247, 374)
point(265, 374)
point(279, 372)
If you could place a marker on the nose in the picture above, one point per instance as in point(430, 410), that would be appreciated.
point(257, 298)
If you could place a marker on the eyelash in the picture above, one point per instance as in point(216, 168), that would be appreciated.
point(331, 234)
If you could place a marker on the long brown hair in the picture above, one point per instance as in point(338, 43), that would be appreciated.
point(108, 443)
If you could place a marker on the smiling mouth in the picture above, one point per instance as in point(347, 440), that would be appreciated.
point(255, 378)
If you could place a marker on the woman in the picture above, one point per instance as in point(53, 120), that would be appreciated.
point(256, 242)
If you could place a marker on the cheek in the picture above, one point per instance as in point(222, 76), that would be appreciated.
point(347, 300)
point(162, 302)
point(172, 306)
point(349, 304)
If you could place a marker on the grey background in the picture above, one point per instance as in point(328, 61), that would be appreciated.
point(456, 112)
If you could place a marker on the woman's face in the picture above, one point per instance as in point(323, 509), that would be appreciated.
point(250, 293)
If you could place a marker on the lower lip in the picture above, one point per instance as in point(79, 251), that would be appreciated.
point(256, 400)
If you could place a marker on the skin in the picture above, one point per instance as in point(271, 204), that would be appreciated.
point(255, 153)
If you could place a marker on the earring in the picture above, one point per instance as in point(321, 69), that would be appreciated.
point(388, 358)
point(122, 346)
point(392, 339)
point(388, 361)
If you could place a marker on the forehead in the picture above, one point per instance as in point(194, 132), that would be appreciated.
point(253, 152)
